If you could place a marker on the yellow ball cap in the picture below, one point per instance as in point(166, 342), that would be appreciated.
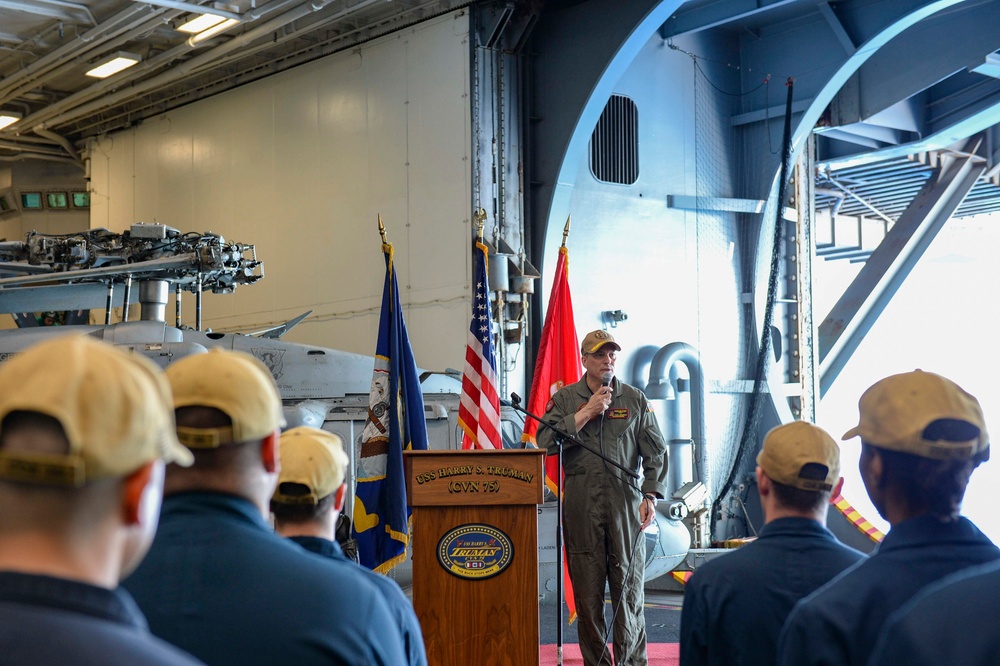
point(236, 384)
point(790, 447)
point(114, 409)
point(896, 412)
point(313, 458)
point(597, 339)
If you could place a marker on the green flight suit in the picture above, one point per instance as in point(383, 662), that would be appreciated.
point(601, 512)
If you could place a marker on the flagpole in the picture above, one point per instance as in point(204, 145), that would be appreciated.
point(560, 565)
point(479, 217)
point(395, 422)
point(381, 230)
point(479, 409)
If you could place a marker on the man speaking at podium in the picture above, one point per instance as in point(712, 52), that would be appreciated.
point(605, 510)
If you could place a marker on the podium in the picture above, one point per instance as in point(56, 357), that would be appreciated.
point(475, 553)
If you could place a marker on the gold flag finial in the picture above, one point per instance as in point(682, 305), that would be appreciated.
point(566, 230)
point(479, 217)
point(381, 229)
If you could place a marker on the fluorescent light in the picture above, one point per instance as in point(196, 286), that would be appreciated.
point(213, 31)
point(8, 118)
point(114, 64)
point(201, 23)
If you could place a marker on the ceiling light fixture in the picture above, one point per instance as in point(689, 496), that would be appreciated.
point(201, 23)
point(213, 31)
point(8, 118)
point(113, 64)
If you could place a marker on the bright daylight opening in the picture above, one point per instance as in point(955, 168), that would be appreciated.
point(941, 320)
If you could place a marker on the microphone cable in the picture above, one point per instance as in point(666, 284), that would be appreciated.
point(618, 603)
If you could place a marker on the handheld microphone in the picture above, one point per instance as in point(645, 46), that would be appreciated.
point(605, 381)
point(515, 399)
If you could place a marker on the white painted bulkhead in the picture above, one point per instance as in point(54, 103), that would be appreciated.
point(301, 164)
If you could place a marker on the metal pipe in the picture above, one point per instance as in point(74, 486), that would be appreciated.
point(177, 306)
point(197, 303)
point(21, 144)
point(128, 296)
point(195, 9)
point(153, 300)
point(680, 449)
point(62, 141)
point(110, 303)
point(663, 378)
point(38, 7)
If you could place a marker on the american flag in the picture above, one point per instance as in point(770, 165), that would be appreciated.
point(479, 411)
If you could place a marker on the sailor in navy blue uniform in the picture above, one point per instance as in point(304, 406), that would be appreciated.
point(217, 581)
point(85, 430)
point(798, 469)
point(921, 438)
point(949, 622)
point(305, 506)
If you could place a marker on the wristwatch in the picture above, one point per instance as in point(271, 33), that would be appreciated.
point(651, 496)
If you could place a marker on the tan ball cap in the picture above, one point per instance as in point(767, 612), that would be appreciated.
point(895, 412)
point(313, 458)
point(790, 447)
point(597, 339)
point(114, 409)
point(235, 383)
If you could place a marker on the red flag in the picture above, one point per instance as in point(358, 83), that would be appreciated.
point(557, 365)
point(479, 408)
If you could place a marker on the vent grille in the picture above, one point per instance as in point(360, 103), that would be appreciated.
point(614, 146)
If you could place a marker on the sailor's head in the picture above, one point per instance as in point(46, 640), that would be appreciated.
point(311, 482)
point(234, 385)
point(599, 352)
point(229, 413)
point(801, 455)
point(798, 470)
point(922, 436)
point(85, 429)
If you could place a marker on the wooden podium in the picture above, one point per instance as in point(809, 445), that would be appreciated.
point(475, 553)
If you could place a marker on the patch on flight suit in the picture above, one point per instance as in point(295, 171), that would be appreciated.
point(617, 413)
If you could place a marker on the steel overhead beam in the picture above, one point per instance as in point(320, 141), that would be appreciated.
point(864, 300)
point(57, 9)
point(770, 113)
point(880, 133)
point(889, 75)
point(863, 202)
point(716, 14)
point(197, 9)
point(723, 204)
point(834, 134)
point(838, 28)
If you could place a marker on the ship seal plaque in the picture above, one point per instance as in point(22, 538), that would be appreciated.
point(475, 551)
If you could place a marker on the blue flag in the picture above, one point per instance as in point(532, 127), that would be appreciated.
point(395, 423)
